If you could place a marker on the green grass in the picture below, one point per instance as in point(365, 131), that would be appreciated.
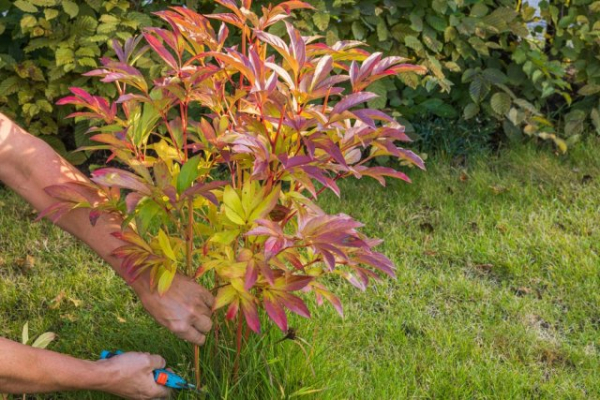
point(497, 296)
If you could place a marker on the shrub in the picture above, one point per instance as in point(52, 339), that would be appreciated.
point(45, 46)
point(480, 54)
point(284, 119)
point(482, 57)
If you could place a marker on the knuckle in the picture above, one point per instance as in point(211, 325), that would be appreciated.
point(179, 327)
point(207, 324)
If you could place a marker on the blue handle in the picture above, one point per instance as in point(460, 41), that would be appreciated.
point(161, 376)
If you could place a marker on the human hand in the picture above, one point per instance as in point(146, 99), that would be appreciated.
point(130, 375)
point(185, 309)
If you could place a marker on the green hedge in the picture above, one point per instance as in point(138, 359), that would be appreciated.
point(484, 62)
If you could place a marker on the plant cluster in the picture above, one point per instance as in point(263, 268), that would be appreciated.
point(226, 152)
point(482, 55)
point(45, 46)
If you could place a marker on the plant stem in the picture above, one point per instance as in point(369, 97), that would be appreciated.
point(189, 238)
point(238, 343)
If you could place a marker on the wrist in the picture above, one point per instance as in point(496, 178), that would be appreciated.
point(104, 376)
point(141, 285)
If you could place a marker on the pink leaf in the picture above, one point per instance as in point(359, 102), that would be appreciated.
point(276, 312)
point(251, 276)
point(161, 50)
point(295, 305)
point(351, 101)
point(251, 314)
point(296, 282)
point(119, 178)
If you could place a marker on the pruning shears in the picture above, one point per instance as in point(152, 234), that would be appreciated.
point(161, 376)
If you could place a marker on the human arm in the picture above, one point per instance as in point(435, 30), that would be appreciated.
point(25, 369)
point(28, 165)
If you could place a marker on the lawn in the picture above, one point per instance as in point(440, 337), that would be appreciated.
point(497, 296)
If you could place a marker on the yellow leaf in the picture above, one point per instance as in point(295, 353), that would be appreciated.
point(265, 206)
point(164, 283)
point(233, 206)
point(225, 237)
point(225, 296)
point(44, 340)
point(25, 333)
point(165, 245)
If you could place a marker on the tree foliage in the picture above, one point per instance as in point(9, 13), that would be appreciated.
point(484, 60)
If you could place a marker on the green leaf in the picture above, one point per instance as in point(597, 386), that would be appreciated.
point(147, 212)
point(382, 30)
point(71, 8)
point(380, 89)
point(28, 21)
point(479, 10)
point(50, 13)
point(414, 43)
point(358, 30)
point(189, 173)
point(479, 89)
point(25, 6)
point(595, 116)
point(589, 89)
point(321, 20)
point(501, 103)
point(471, 110)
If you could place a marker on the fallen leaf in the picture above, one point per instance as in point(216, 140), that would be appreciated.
point(121, 320)
point(55, 302)
point(430, 253)
point(463, 176)
point(522, 291)
point(497, 189)
point(44, 340)
point(75, 302)
point(26, 263)
point(484, 267)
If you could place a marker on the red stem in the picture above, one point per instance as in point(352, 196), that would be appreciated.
point(238, 343)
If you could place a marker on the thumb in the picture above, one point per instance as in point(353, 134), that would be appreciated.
point(156, 362)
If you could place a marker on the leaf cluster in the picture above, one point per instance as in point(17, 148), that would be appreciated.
point(226, 152)
point(498, 60)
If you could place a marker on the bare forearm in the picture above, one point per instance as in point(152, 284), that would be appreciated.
point(28, 165)
point(26, 369)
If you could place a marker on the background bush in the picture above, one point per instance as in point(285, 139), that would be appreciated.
point(485, 63)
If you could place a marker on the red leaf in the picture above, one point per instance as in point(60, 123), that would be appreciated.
point(295, 305)
point(276, 312)
point(232, 310)
point(296, 282)
point(161, 50)
point(251, 314)
point(65, 192)
point(119, 178)
point(379, 172)
point(251, 276)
